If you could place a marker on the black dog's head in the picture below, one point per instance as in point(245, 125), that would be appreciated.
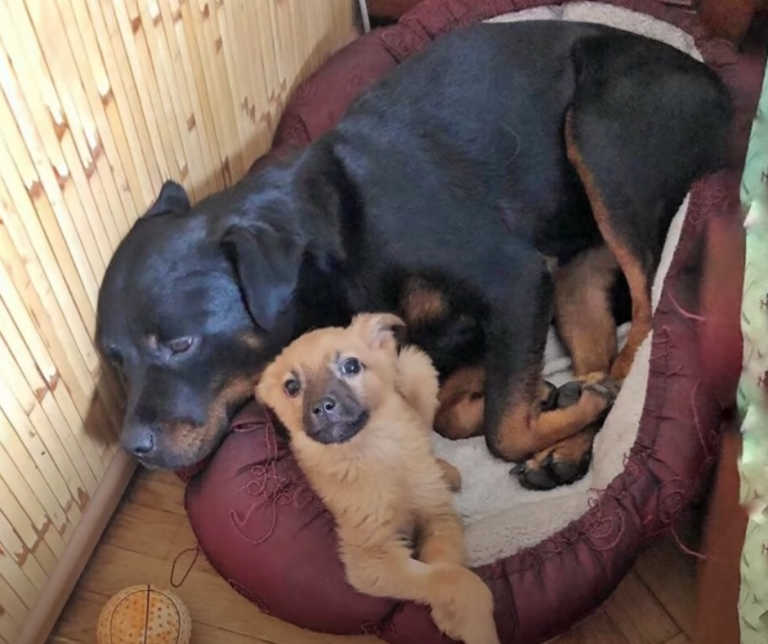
point(193, 304)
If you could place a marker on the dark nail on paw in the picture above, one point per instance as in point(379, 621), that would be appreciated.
point(518, 469)
point(549, 402)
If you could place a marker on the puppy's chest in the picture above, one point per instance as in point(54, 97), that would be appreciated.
point(377, 496)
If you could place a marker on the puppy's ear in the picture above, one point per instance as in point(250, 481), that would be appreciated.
point(172, 200)
point(379, 329)
point(267, 263)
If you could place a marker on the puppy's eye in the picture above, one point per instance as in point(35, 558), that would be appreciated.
point(292, 387)
point(351, 366)
point(180, 345)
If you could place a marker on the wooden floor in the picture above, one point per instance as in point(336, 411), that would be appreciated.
point(654, 604)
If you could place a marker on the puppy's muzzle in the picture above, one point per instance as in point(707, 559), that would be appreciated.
point(334, 417)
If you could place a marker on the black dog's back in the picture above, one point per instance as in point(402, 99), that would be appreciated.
point(468, 102)
point(484, 109)
point(477, 107)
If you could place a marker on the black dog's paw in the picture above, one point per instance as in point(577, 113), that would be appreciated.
point(602, 385)
point(560, 465)
point(601, 391)
point(599, 384)
point(569, 394)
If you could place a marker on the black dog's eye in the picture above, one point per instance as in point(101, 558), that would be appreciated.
point(115, 357)
point(292, 387)
point(351, 366)
point(180, 345)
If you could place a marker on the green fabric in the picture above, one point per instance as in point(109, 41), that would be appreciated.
point(753, 464)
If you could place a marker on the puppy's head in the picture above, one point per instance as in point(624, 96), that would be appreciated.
point(328, 383)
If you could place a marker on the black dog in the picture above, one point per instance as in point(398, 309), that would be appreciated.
point(508, 174)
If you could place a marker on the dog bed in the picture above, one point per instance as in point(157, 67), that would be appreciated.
point(549, 557)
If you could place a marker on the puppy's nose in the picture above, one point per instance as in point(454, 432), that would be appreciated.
point(140, 443)
point(326, 407)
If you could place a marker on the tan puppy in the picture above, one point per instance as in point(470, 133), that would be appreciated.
point(360, 419)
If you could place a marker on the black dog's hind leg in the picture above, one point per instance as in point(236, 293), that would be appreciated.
point(516, 424)
point(621, 224)
point(637, 144)
point(583, 313)
point(586, 326)
point(511, 407)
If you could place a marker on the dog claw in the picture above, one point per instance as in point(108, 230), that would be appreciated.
point(520, 468)
point(549, 395)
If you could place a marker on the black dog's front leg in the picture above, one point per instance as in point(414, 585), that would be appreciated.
point(516, 332)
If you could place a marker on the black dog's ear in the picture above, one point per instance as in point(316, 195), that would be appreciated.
point(267, 263)
point(172, 200)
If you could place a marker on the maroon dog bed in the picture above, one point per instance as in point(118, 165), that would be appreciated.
point(265, 531)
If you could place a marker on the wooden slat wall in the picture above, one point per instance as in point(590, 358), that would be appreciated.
point(100, 101)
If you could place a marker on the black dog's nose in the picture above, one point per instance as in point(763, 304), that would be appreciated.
point(140, 443)
point(325, 407)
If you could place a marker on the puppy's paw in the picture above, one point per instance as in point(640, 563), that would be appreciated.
point(561, 464)
point(463, 608)
point(417, 382)
point(415, 365)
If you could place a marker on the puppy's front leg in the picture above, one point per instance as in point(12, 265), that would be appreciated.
point(462, 605)
point(387, 571)
point(466, 609)
point(441, 540)
point(418, 382)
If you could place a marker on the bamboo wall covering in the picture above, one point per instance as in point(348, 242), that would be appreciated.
point(100, 101)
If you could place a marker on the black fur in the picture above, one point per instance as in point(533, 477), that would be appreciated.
point(453, 167)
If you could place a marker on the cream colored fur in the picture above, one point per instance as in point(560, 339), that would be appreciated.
point(390, 496)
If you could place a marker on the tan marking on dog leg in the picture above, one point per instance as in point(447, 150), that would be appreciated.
point(639, 288)
point(570, 450)
point(583, 310)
